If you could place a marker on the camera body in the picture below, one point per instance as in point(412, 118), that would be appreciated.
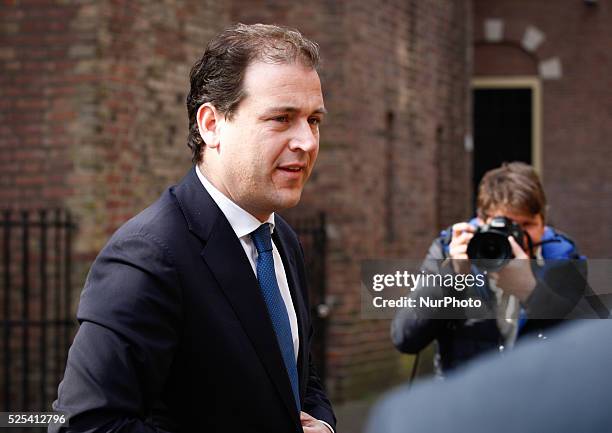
point(489, 249)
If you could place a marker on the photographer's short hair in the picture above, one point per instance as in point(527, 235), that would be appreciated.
point(515, 187)
point(218, 76)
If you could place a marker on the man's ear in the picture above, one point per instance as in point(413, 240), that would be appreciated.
point(209, 124)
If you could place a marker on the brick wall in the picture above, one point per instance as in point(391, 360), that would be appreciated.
point(576, 107)
point(134, 146)
point(92, 114)
point(39, 52)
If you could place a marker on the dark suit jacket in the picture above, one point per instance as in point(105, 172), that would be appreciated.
point(562, 385)
point(175, 335)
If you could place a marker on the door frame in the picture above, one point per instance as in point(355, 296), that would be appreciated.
point(530, 82)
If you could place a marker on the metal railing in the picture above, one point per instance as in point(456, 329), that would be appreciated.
point(36, 322)
point(313, 237)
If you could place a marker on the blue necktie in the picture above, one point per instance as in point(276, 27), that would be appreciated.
point(274, 301)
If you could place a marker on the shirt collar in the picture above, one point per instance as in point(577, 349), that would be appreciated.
point(242, 222)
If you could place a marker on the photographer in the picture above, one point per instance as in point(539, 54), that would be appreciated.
point(545, 280)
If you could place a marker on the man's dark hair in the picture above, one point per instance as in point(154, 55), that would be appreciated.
point(515, 187)
point(218, 76)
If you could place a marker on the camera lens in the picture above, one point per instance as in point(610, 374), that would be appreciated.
point(489, 250)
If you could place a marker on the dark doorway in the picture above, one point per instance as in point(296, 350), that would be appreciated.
point(502, 129)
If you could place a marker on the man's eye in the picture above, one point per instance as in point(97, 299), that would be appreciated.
point(314, 121)
point(282, 119)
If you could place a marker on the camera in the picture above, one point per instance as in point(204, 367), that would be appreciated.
point(489, 249)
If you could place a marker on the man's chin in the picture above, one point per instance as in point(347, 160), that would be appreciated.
point(288, 199)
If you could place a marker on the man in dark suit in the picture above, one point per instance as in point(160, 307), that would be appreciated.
point(562, 386)
point(194, 316)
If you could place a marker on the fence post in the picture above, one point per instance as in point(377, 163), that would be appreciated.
point(7, 301)
point(25, 287)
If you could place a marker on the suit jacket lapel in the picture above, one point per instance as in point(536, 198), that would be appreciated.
point(227, 261)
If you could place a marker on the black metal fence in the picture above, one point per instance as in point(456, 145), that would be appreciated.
point(312, 234)
point(36, 321)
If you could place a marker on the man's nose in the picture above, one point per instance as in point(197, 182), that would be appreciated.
point(305, 137)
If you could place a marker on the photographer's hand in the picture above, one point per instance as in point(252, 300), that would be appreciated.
point(516, 278)
point(462, 233)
